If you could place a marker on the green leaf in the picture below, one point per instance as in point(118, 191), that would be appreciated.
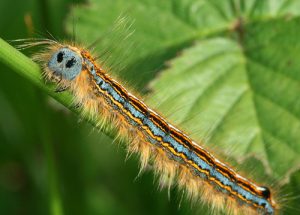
point(241, 94)
point(232, 85)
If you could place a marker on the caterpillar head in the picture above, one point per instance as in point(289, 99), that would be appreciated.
point(65, 63)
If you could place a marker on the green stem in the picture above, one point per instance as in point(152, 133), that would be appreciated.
point(55, 202)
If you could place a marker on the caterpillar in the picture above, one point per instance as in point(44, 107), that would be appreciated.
point(176, 157)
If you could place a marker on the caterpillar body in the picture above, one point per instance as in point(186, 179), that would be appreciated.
point(175, 156)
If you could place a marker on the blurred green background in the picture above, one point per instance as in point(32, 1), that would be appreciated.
point(52, 162)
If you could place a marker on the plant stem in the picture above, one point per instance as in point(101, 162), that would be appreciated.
point(56, 207)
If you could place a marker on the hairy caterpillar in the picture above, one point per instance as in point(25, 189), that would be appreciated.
point(176, 157)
